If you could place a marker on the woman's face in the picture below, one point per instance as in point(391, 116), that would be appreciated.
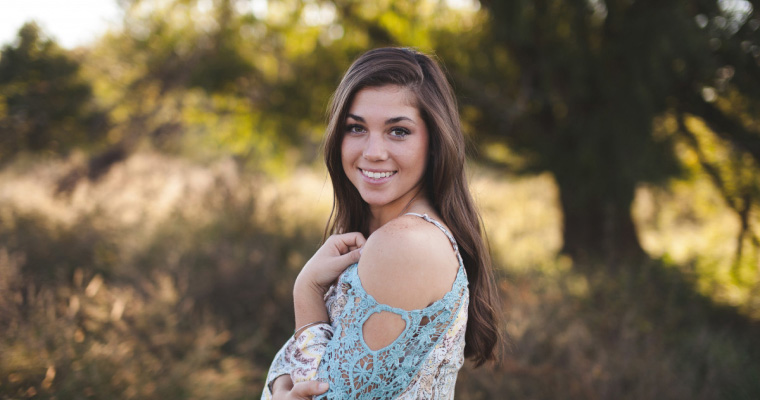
point(385, 147)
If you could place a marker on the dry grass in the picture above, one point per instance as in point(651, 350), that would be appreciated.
point(171, 279)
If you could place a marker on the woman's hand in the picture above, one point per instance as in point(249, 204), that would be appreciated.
point(337, 253)
point(283, 389)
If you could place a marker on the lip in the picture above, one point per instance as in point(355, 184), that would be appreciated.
point(376, 181)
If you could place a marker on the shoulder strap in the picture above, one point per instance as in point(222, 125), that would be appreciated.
point(445, 232)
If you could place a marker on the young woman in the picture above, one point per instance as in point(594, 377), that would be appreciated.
point(402, 291)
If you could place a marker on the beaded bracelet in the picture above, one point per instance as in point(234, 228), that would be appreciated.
point(300, 330)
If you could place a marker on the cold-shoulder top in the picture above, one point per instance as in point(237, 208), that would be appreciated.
point(422, 363)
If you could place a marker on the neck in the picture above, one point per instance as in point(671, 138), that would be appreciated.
point(415, 201)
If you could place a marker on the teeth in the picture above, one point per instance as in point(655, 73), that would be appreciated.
point(377, 175)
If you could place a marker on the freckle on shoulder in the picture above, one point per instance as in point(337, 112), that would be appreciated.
point(408, 263)
point(406, 227)
point(416, 240)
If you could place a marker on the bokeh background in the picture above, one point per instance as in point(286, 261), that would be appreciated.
point(161, 186)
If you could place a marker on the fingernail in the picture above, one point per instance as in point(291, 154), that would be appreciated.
point(360, 250)
point(323, 386)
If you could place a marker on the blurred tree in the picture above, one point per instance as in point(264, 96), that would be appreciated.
point(173, 70)
point(251, 84)
point(199, 76)
point(576, 87)
point(44, 104)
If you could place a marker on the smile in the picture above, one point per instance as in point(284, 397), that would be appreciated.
point(377, 175)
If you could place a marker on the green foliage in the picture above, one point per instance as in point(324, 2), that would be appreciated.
point(45, 106)
point(278, 71)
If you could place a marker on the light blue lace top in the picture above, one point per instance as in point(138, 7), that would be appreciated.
point(421, 363)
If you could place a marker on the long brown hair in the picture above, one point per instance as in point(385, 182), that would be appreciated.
point(445, 182)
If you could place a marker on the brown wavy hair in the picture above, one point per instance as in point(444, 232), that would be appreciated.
point(444, 181)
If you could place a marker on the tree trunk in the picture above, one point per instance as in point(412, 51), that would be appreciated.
point(597, 225)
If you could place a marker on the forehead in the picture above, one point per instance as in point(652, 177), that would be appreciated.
point(384, 99)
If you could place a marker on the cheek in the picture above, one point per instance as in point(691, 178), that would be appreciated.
point(421, 156)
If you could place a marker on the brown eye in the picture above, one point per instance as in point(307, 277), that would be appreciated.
point(399, 132)
point(353, 128)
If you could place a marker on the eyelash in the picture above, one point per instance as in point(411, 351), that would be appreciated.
point(354, 128)
point(404, 132)
point(401, 132)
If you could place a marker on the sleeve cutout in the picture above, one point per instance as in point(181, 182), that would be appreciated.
point(381, 329)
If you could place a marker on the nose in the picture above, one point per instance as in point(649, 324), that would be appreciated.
point(374, 148)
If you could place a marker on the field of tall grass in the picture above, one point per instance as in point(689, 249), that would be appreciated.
point(171, 279)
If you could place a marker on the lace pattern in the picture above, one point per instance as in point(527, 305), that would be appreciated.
point(422, 363)
point(356, 371)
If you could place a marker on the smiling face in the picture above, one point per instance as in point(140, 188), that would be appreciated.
point(385, 149)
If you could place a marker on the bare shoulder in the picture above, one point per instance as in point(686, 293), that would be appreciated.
point(408, 263)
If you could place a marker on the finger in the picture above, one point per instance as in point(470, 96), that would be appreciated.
point(338, 264)
point(359, 239)
point(350, 257)
point(352, 248)
point(351, 238)
point(360, 242)
point(349, 241)
point(340, 246)
point(310, 388)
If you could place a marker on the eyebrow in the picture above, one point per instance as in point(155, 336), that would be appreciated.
point(387, 121)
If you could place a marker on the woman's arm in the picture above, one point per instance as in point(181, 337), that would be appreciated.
point(337, 253)
point(298, 360)
point(303, 352)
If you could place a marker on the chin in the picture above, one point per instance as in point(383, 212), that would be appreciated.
point(376, 201)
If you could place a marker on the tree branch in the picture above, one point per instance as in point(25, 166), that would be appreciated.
point(726, 127)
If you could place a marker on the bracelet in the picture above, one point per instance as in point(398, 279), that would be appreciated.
point(300, 330)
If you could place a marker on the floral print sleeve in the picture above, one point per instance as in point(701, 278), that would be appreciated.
point(309, 349)
point(299, 357)
point(280, 366)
